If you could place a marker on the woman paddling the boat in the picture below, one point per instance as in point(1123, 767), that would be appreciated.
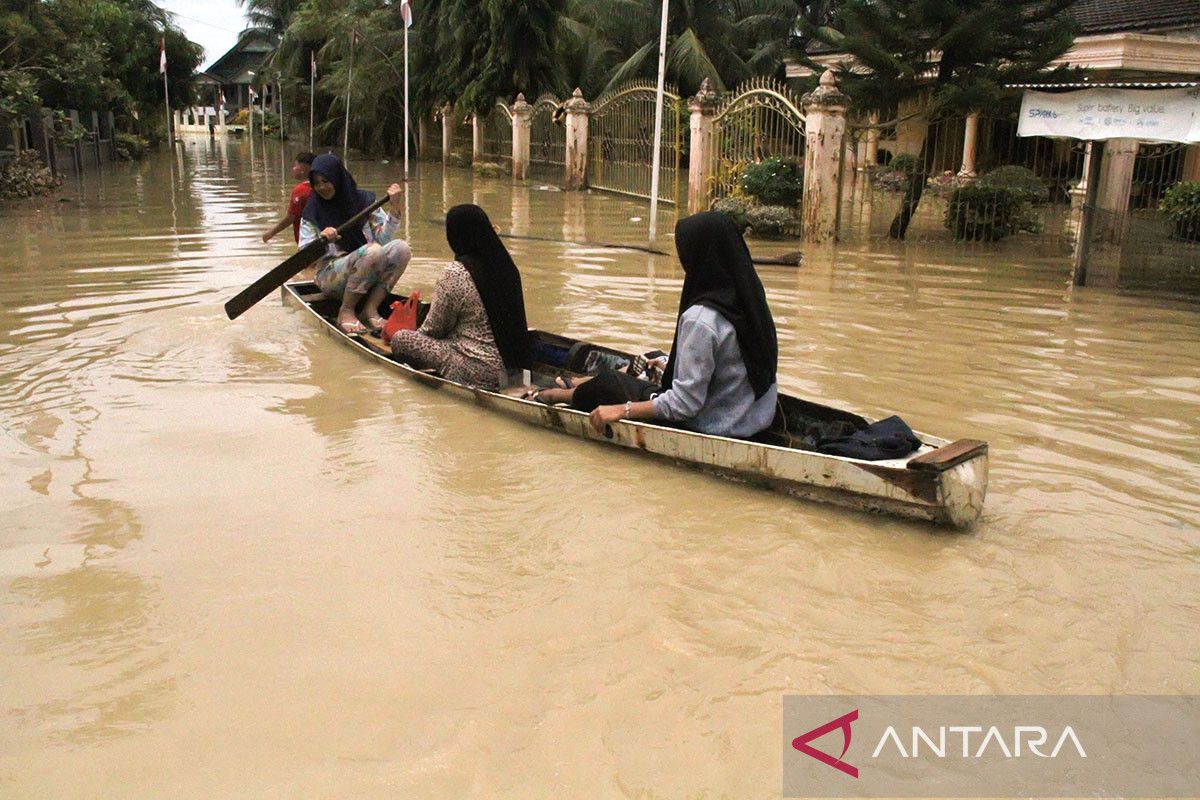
point(721, 375)
point(362, 263)
point(475, 332)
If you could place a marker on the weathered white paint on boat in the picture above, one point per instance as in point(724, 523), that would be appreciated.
point(953, 496)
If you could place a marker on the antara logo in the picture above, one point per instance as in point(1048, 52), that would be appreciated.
point(1033, 737)
point(843, 722)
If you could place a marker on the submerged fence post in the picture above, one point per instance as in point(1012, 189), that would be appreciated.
point(575, 162)
point(522, 114)
point(824, 127)
point(476, 139)
point(700, 146)
point(447, 133)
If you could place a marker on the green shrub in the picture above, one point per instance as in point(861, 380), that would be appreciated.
point(774, 182)
point(489, 169)
point(25, 176)
point(983, 214)
point(769, 222)
point(1022, 181)
point(1182, 204)
point(129, 146)
point(736, 210)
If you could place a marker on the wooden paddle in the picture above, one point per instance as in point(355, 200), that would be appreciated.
point(243, 300)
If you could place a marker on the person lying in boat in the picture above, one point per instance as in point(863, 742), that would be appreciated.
point(362, 263)
point(475, 332)
point(720, 378)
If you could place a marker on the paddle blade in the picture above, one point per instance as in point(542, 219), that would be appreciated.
point(277, 277)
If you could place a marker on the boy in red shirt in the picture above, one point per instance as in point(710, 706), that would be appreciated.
point(300, 194)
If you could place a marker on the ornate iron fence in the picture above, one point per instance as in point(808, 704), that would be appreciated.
point(548, 138)
point(621, 142)
point(1043, 173)
point(760, 119)
point(496, 129)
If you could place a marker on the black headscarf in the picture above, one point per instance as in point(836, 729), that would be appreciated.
point(477, 247)
point(719, 273)
point(347, 201)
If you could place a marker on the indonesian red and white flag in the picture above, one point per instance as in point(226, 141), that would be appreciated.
point(406, 12)
point(162, 56)
point(312, 59)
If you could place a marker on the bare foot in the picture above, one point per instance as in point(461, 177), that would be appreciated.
point(375, 323)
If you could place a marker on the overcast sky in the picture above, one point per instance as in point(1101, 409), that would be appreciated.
point(213, 24)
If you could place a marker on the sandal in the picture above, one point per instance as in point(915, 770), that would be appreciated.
point(355, 328)
point(564, 381)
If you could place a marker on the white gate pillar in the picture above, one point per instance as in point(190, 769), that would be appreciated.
point(970, 143)
point(578, 110)
point(522, 114)
point(824, 127)
point(700, 146)
point(447, 132)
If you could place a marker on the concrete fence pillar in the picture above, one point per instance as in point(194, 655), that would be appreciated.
point(1116, 186)
point(702, 109)
point(871, 157)
point(447, 133)
point(824, 126)
point(578, 111)
point(476, 139)
point(1191, 163)
point(522, 114)
point(970, 144)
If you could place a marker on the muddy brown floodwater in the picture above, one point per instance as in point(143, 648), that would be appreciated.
point(239, 561)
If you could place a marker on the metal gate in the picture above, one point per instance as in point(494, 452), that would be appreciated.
point(760, 119)
point(621, 142)
point(548, 139)
point(497, 134)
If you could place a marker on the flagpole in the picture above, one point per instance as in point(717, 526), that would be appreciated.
point(282, 123)
point(349, 85)
point(262, 104)
point(406, 127)
point(312, 93)
point(658, 107)
point(162, 62)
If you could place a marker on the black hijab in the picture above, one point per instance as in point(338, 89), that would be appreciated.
point(347, 201)
point(477, 247)
point(718, 273)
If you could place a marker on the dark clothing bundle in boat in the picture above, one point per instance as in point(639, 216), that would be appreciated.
point(887, 438)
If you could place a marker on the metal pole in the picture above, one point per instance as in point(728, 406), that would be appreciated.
point(262, 104)
point(312, 93)
point(282, 123)
point(406, 126)
point(662, 63)
point(167, 100)
point(349, 84)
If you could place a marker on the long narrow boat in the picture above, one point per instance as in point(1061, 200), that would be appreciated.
point(943, 481)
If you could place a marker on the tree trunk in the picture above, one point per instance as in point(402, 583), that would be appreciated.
point(916, 184)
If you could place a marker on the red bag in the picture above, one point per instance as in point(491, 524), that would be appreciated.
point(403, 317)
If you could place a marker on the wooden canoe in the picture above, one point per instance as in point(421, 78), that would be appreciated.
point(943, 482)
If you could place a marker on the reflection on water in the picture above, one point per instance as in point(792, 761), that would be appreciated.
point(239, 541)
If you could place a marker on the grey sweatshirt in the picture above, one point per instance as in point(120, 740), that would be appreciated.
point(710, 391)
